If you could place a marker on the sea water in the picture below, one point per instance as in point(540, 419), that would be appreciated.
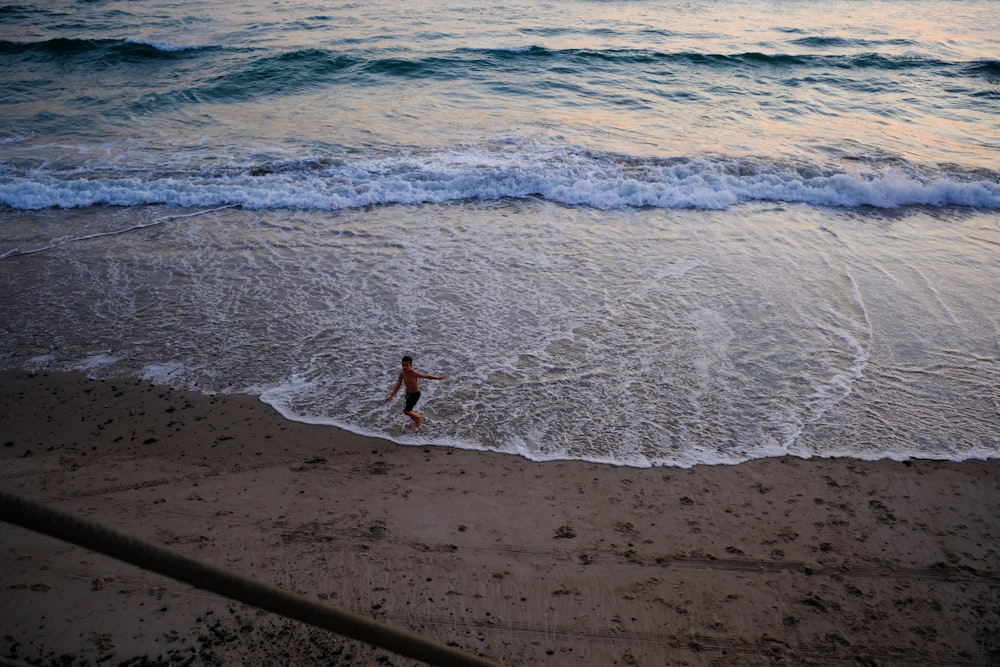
point(630, 232)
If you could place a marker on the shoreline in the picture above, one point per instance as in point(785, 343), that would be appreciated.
point(809, 561)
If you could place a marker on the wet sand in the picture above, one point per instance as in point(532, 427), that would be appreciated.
point(779, 561)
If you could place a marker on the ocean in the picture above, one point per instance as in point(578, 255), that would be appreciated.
point(631, 232)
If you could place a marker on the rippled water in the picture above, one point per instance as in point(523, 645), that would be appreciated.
point(643, 234)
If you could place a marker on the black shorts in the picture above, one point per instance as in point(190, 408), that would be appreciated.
point(411, 401)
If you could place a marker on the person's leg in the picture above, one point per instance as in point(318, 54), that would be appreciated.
point(411, 402)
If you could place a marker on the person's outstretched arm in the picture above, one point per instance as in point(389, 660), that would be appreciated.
point(399, 382)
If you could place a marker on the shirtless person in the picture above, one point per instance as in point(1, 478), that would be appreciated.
point(410, 378)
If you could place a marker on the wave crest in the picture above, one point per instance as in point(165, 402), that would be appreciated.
point(565, 175)
point(105, 50)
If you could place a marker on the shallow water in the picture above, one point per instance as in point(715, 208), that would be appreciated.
point(634, 336)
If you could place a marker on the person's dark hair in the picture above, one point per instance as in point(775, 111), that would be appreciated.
point(407, 359)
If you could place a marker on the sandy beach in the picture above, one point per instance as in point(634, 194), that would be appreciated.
point(779, 561)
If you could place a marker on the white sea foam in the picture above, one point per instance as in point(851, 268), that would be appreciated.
point(161, 373)
point(602, 182)
point(41, 360)
point(96, 362)
point(166, 47)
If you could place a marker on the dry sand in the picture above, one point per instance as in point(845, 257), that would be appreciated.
point(782, 561)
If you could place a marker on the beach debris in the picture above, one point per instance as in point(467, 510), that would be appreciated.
point(627, 529)
point(378, 468)
point(882, 513)
point(815, 601)
point(565, 532)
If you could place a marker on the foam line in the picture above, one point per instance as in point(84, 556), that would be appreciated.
point(87, 237)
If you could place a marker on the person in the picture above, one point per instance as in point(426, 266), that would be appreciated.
point(411, 379)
